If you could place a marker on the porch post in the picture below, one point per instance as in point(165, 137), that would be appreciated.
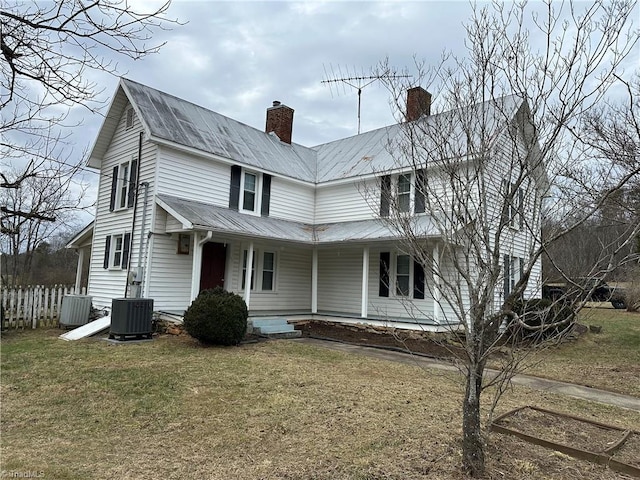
point(365, 282)
point(79, 270)
point(314, 281)
point(247, 275)
point(196, 268)
point(436, 283)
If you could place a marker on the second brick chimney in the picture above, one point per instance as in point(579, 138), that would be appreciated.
point(280, 121)
point(418, 103)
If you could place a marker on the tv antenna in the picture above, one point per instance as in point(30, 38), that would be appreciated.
point(354, 81)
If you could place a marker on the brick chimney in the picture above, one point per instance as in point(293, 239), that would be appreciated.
point(418, 103)
point(280, 121)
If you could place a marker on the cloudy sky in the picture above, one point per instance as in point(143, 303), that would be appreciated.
point(237, 57)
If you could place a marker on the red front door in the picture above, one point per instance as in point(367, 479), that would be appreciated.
point(214, 258)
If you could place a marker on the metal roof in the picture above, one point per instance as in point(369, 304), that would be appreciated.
point(448, 134)
point(179, 122)
point(204, 216)
point(184, 123)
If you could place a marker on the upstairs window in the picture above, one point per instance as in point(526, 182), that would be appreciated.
point(123, 185)
point(129, 118)
point(404, 193)
point(514, 199)
point(249, 191)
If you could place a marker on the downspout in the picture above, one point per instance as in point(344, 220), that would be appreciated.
point(135, 209)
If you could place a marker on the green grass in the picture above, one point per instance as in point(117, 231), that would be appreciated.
point(172, 409)
point(609, 360)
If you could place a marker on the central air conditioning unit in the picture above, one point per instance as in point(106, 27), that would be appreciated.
point(131, 317)
point(75, 310)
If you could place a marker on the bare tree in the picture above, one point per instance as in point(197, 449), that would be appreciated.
point(23, 225)
point(48, 50)
point(508, 148)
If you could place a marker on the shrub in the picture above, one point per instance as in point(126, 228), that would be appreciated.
point(549, 319)
point(217, 317)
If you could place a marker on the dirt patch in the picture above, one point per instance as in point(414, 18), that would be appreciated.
point(576, 433)
point(424, 343)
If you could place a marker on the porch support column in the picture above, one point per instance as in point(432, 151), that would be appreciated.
point(365, 282)
point(79, 270)
point(314, 281)
point(247, 275)
point(196, 268)
point(436, 283)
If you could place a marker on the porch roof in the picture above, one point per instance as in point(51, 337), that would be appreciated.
point(203, 216)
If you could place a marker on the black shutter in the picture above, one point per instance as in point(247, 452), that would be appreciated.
point(507, 275)
point(107, 247)
point(234, 191)
point(126, 244)
point(133, 178)
point(114, 187)
point(383, 289)
point(418, 280)
point(266, 194)
point(385, 193)
point(419, 191)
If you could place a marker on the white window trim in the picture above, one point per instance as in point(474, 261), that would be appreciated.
point(112, 251)
point(515, 272)
point(129, 115)
point(258, 193)
point(514, 208)
point(122, 182)
point(394, 262)
point(395, 183)
point(258, 258)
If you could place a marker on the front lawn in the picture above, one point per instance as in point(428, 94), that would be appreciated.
point(609, 360)
point(172, 409)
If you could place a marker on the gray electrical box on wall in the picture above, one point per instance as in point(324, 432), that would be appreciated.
point(131, 317)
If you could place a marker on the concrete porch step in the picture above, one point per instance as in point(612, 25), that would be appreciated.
point(276, 327)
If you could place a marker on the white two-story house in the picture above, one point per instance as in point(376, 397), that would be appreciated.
point(189, 199)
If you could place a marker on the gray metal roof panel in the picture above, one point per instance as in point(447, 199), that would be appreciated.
point(176, 120)
point(204, 216)
point(371, 152)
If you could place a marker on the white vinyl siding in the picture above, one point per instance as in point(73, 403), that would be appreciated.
point(169, 277)
point(340, 280)
point(346, 202)
point(193, 178)
point(291, 200)
point(106, 284)
point(292, 287)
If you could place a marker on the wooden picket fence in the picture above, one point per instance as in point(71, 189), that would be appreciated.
point(33, 306)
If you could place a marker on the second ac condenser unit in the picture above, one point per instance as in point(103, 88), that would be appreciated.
point(75, 310)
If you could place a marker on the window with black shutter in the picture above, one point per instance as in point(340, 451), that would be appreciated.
point(385, 194)
point(266, 194)
point(418, 280)
point(234, 190)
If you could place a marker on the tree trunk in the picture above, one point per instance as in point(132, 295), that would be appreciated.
point(472, 439)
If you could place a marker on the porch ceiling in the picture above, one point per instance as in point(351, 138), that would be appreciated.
point(202, 216)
